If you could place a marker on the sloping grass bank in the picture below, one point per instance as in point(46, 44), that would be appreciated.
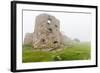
point(79, 51)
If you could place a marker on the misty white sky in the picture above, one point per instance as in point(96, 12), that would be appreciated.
point(73, 25)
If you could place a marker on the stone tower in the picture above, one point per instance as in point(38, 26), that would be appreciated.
point(47, 32)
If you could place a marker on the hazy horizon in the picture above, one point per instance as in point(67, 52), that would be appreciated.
point(73, 25)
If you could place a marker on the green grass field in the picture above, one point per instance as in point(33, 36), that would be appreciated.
point(79, 51)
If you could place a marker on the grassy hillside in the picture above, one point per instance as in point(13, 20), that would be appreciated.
point(79, 51)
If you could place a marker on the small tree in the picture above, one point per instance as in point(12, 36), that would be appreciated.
point(76, 40)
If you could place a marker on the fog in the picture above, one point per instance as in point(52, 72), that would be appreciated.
point(73, 25)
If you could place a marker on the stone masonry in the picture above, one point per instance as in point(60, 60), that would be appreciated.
point(46, 33)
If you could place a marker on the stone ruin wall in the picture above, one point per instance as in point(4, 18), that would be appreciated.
point(46, 33)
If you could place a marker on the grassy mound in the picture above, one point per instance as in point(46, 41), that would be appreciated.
point(79, 51)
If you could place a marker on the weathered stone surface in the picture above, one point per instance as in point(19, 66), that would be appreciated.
point(47, 32)
point(28, 38)
point(47, 35)
point(67, 42)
